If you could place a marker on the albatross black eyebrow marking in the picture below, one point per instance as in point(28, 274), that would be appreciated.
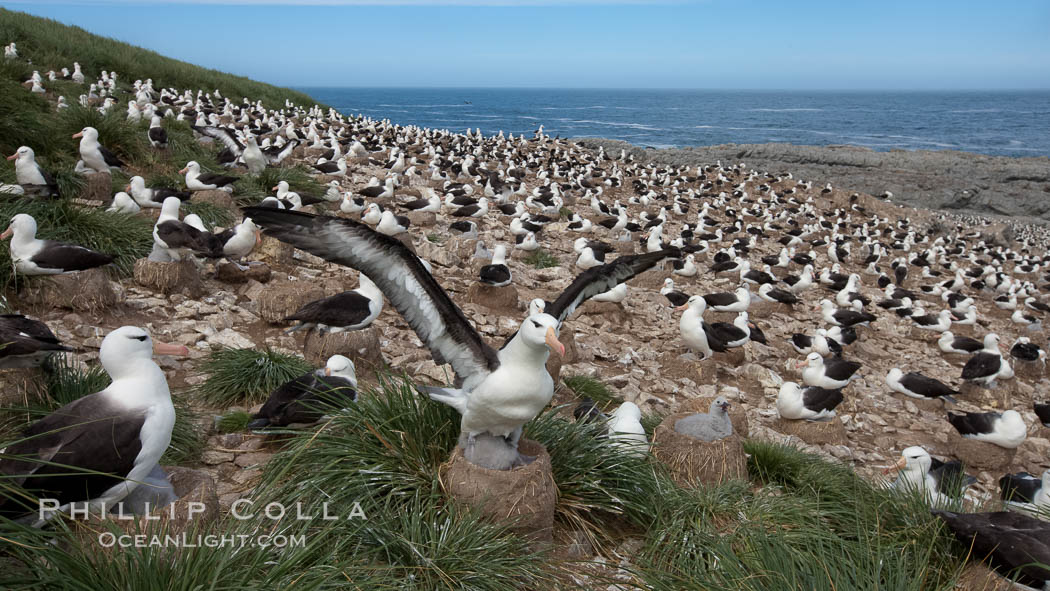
point(139, 338)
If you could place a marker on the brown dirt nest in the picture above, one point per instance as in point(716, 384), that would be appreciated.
point(282, 299)
point(813, 432)
point(693, 462)
point(525, 496)
point(167, 278)
point(495, 298)
point(87, 291)
point(980, 454)
point(360, 346)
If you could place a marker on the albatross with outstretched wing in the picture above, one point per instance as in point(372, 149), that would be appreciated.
point(500, 390)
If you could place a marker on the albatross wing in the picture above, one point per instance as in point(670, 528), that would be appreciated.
point(398, 273)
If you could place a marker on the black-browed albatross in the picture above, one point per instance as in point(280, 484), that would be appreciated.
point(500, 390)
point(98, 448)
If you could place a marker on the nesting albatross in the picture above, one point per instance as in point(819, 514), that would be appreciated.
point(97, 449)
point(499, 391)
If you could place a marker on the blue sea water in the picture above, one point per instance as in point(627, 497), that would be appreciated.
point(1001, 123)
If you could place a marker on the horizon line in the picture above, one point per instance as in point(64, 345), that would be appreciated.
point(680, 88)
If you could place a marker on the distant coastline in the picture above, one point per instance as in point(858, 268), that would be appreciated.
point(934, 179)
point(999, 123)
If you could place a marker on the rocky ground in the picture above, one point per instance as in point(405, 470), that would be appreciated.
point(635, 348)
point(934, 179)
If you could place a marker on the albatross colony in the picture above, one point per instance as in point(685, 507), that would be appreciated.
point(804, 267)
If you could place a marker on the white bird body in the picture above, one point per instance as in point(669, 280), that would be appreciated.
point(626, 431)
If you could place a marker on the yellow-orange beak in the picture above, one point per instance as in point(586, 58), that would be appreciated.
point(128, 188)
point(682, 308)
point(258, 237)
point(78, 134)
point(12, 156)
point(901, 463)
point(160, 348)
point(273, 188)
point(7, 234)
point(328, 371)
point(183, 171)
point(801, 364)
point(554, 343)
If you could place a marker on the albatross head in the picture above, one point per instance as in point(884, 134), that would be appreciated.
point(541, 330)
point(22, 224)
point(913, 461)
point(719, 404)
point(129, 344)
point(341, 367)
point(23, 154)
point(88, 133)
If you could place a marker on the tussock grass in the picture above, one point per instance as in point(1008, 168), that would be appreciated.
point(811, 524)
point(431, 545)
point(127, 237)
point(234, 422)
point(541, 259)
point(187, 439)
point(322, 562)
point(383, 452)
point(596, 390)
point(253, 188)
point(246, 376)
point(211, 215)
point(388, 445)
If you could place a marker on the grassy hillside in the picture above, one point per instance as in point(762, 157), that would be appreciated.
point(28, 119)
point(52, 45)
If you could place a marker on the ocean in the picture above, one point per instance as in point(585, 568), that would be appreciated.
point(1007, 123)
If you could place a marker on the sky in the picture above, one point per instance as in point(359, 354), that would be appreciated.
point(730, 44)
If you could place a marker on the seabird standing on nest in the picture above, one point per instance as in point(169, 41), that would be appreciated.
point(303, 399)
point(26, 342)
point(94, 155)
point(498, 391)
point(33, 256)
point(498, 273)
point(206, 181)
point(342, 312)
point(29, 173)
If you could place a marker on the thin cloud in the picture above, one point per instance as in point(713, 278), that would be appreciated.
point(506, 3)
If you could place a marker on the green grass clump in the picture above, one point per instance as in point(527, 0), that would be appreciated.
point(234, 422)
point(806, 512)
point(384, 452)
point(586, 387)
point(541, 259)
point(212, 215)
point(253, 188)
point(247, 376)
point(127, 237)
point(66, 381)
point(388, 444)
point(187, 439)
point(318, 559)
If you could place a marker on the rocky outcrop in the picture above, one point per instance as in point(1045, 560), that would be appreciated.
point(944, 179)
